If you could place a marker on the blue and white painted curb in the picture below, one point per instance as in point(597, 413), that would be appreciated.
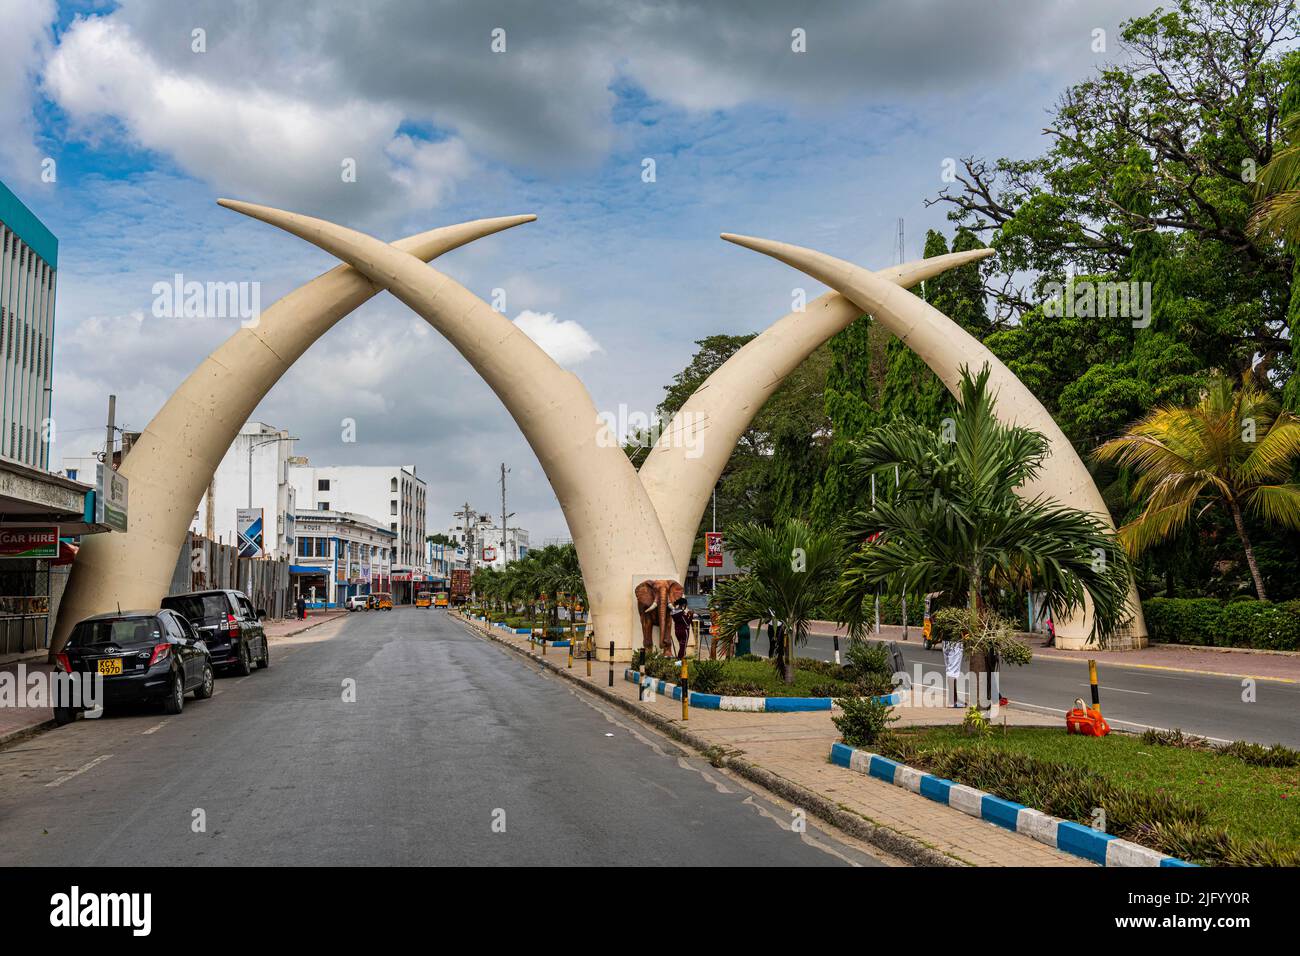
point(1064, 835)
point(751, 704)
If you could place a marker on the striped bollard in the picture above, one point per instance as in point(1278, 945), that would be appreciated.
point(837, 649)
point(686, 690)
point(611, 663)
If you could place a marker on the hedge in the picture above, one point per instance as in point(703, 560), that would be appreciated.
point(1212, 622)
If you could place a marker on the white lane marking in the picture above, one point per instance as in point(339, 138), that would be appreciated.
point(155, 728)
point(1121, 690)
point(79, 771)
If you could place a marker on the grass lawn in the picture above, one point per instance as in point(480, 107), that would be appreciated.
point(760, 679)
point(1245, 800)
point(764, 675)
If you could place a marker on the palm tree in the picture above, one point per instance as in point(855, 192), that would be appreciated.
point(791, 573)
point(1277, 193)
point(957, 525)
point(1235, 447)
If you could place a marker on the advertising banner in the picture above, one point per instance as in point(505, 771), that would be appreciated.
point(250, 526)
point(713, 549)
point(29, 542)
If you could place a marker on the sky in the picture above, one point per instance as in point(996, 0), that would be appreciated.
point(152, 109)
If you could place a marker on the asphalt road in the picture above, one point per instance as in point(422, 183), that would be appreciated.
point(1131, 697)
point(448, 733)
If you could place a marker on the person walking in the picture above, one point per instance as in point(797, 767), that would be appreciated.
point(302, 608)
point(682, 617)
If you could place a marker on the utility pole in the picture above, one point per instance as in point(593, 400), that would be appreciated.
point(469, 537)
point(505, 559)
point(714, 586)
point(109, 436)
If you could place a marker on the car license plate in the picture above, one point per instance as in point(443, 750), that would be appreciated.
point(112, 665)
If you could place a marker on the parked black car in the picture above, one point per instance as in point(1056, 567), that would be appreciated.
point(699, 605)
point(229, 625)
point(142, 656)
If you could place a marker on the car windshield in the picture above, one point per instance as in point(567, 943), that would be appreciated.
point(119, 630)
point(199, 608)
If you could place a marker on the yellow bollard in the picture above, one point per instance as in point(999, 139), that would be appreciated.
point(686, 690)
point(570, 653)
point(588, 639)
point(1092, 680)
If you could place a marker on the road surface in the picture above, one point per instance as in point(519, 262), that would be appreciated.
point(1132, 698)
point(448, 735)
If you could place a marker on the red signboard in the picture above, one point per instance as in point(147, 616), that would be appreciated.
point(29, 542)
point(713, 549)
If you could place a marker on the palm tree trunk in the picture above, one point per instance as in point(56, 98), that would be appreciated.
point(789, 654)
point(1250, 552)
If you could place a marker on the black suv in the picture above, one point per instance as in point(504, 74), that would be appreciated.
point(142, 656)
point(230, 626)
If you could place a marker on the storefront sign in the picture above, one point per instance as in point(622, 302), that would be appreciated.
point(29, 542)
point(110, 498)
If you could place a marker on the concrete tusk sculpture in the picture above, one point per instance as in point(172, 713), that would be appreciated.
point(945, 347)
point(172, 463)
point(718, 412)
point(614, 526)
point(633, 532)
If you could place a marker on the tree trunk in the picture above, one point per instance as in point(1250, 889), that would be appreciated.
point(1250, 552)
point(789, 653)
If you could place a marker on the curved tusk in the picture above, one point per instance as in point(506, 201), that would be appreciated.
point(614, 526)
point(172, 463)
point(681, 470)
point(946, 347)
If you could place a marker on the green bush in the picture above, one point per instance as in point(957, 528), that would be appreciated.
point(862, 720)
point(706, 675)
point(1209, 621)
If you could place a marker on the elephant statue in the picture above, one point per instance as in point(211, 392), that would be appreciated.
point(654, 601)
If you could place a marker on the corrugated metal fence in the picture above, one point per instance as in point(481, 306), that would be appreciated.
point(204, 563)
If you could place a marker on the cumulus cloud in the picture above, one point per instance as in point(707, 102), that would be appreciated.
point(251, 141)
point(24, 42)
point(562, 339)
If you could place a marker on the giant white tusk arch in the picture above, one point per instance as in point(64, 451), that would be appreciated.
point(614, 526)
point(945, 347)
point(176, 455)
point(713, 418)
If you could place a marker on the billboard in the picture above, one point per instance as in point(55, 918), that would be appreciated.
point(489, 553)
point(110, 498)
point(713, 549)
point(249, 525)
point(29, 542)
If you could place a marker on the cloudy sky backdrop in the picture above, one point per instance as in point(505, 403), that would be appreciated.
point(617, 277)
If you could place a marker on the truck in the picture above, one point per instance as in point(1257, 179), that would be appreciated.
point(459, 585)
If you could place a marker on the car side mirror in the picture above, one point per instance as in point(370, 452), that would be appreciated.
point(261, 614)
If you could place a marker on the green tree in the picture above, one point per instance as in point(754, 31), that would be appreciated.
point(791, 572)
point(957, 525)
point(1234, 448)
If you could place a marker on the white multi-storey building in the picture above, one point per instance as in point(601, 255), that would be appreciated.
point(484, 537)
point(28, 266)
point(385, 492)
point(254, 474)
point(339, 554)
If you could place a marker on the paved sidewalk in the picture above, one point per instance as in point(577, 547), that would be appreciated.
point(796, 747)
point(288, 627)
point(1223, 661)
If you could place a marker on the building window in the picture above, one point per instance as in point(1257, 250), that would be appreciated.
point(323, 484)
point(323, 506)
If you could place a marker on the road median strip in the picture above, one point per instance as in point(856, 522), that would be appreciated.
point(1064, 835)
point(749, 704)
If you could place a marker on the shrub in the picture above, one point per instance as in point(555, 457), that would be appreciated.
point(1209, 621)
point(1260, 756)
point(869, 657)
point(739, 688)
point(749, 657)
point(706, 675)
point(862, 720)
point(1182, 620)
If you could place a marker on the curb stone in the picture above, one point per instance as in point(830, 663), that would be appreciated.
point(23, 733)
point(753, 705)
point(1097, 847)
point(904, 847)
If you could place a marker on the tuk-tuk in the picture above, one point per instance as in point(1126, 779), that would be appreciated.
point(423, 599)
point(440, 599)
point(383, 601)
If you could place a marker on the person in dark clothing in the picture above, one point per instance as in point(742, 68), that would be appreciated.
point(682, 617)
point(302, 608)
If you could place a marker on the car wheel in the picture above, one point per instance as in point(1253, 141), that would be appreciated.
point(64, 715)
point(245, 665)
point(174, 703)
point(265, 662)
point(207, 685)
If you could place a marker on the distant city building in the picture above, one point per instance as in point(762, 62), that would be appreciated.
point(268, 450)
point(391, 493)
point(29, 256)
point(483, 536)
point(339, 554)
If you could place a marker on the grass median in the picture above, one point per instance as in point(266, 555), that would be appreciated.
point(1197, 802)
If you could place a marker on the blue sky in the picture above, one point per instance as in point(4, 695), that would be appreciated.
point(826, 148)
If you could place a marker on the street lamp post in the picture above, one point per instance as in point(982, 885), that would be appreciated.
point(252, 446)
